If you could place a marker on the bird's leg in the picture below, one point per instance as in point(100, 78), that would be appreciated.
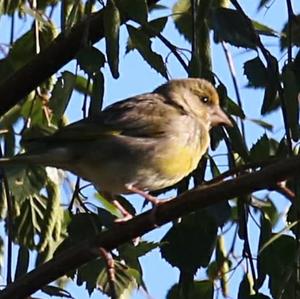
point(154, 200)
point(126, 215)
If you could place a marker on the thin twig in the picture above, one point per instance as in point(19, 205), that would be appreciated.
point(110, 267)
point(235, 84)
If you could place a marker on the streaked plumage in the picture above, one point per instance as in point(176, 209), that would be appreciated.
point(149, 141)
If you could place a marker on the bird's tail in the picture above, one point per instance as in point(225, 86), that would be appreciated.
point(52, 157)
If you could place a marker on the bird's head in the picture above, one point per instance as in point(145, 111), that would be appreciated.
point(196, 97)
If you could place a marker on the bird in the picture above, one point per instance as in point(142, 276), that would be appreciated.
point(141, 144)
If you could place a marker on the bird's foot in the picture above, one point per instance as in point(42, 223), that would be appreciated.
point(152, 199)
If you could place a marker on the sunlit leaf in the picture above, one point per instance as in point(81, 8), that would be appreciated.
point(232, 27)
point(195, 235)
point(112, 21)
point(197, 289)
point(142, 43)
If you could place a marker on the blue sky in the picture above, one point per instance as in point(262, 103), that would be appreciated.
point(137, 77)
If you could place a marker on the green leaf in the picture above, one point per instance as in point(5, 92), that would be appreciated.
point(269, 101)
point(213, 167)
point(23, 49)
point(265, 235)
point(28, 224)
point(198, 289)
point(232, 27)
point(56, 291)
point(295, 34)
point(82, 86)
point(235, 109)
point(237, 143)
point(262, 124)
point(97, 94)
point(91, 60)
point(182, 16)
point(112, 22)
point(255, 72)
point(136, 10)
point(264, 30)
point(262, 149)
point(157, 25)
point(245, 288)
point(95, 274)
point(84, 226)
point(277, 259)
point(142, 43)
point(195, 235)
point(26, 180)
point(73, 13)
point(291, 91)
point(61, 95)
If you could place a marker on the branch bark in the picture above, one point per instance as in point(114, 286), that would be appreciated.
point(62, 50)
point(195, 199)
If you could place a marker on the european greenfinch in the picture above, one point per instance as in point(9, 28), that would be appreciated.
point(140, 144)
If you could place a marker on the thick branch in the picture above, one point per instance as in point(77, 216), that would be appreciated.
point(62, 50)
point(187, 202)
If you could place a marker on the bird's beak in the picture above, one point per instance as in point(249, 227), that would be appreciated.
point(218, 117)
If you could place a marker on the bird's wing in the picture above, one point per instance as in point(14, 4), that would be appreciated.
point(141, 116)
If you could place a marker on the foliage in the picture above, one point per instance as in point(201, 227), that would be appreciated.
point(42, 223)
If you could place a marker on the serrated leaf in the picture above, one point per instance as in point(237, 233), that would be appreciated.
point(91, 60)
point(262, 149)
point(27, 225)
point(182, 16)
point(142, 43)
point(112, 22)
point(195, 235)
point(95, 274)
point(291, 91)
point(197, 289)
point(231, 26)
point(26, 181)
point(136, 10)
point(255, 72)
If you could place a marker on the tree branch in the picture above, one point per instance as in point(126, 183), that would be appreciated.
point(187, 202)
point(62, 50)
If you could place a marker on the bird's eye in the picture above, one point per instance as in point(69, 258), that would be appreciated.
point(204, 100)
